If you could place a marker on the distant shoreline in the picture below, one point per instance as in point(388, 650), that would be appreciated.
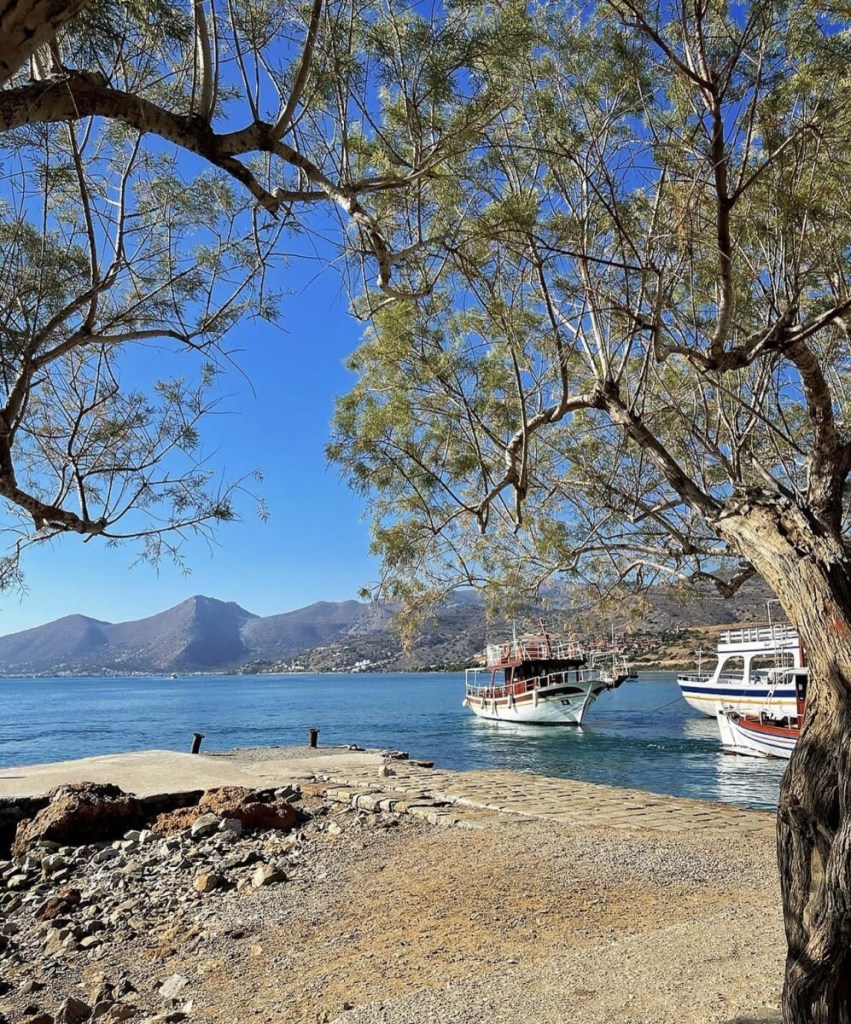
point(174, 677)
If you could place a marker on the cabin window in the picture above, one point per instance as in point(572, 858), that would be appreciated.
point(734, 667)
point(763, 662)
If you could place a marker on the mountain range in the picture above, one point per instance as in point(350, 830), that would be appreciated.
point(200, 634)
point(203, 634)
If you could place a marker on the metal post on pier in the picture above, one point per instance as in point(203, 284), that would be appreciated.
point(313, 733)
point(196, 742)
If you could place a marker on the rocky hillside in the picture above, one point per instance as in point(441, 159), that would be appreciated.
point(206, 635)
point(198, 635)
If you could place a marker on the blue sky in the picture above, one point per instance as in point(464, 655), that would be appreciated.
point(315, 545)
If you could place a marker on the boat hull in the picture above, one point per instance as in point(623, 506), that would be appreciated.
point(710, 697)
point(538, 707)
point(755, 739)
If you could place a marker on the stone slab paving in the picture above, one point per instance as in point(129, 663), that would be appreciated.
point(514, 795)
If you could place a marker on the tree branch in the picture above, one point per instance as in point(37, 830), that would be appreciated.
point(26, 25)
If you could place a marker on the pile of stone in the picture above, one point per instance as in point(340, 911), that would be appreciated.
point(71, 905)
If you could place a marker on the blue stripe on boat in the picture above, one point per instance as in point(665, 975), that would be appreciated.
point(779, 692)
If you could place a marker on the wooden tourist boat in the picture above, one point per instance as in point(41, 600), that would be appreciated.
point(766, 734)
point(752, 673)
point(540, 681)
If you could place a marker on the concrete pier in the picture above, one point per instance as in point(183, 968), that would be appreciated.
point(445, 797)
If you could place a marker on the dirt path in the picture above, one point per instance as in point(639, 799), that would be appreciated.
point(520, 921)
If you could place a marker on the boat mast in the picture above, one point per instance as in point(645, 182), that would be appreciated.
point(546, 637)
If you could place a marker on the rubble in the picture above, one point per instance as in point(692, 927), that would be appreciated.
point(81, 907)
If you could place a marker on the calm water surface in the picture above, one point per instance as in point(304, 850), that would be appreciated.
point(642, 735)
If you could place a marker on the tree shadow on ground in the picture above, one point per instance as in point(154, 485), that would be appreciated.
point(760, 1017)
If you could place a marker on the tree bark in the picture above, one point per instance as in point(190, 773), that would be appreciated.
point(809, 570)
point(25, 25)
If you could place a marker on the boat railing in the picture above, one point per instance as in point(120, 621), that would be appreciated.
point(693, 677)
point(536, 649)
point(479, 682)
point(779, 634)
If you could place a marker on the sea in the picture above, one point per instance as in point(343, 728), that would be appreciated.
point(642, 736)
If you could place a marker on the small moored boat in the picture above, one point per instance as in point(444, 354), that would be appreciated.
point(540, 681)
point(767, 734)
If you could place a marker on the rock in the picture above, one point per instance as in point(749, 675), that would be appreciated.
point(120, 1012)
point(52, 863)
point(102, 856)
point(78, 813)
point(240, 860)
point(72, 1011)
point(30, 986)
point(208, 881)
point(205, 825)
point(231, 825)
point(253, 808)
point(91, 942)
point(267, 874)
point(59, 905)
point(385, 770)
point(55, 941)
point(39, 1018)
point(173, 986)
point(289, 793)
point(101, 992)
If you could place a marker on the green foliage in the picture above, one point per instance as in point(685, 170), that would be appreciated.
point(559, 405)
point(111, 236)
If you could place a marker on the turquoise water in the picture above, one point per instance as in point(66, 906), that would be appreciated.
point(642, 735)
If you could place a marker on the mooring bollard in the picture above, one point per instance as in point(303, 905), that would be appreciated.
point(313, 734)
point(196, 742)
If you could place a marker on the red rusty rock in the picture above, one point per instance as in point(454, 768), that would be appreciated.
point(80, 812)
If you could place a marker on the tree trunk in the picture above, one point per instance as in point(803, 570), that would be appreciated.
point(25, 25)
point(810, 572)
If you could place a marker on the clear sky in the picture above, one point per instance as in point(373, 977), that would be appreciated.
point(276, 418)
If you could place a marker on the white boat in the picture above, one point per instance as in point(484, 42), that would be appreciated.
point(752, 673)
point(540, 681)
point(765, 734)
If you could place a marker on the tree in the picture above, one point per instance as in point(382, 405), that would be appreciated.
point(635, 367)
point(26, 26)
point(155, 157)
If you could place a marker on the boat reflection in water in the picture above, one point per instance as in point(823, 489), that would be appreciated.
point(700, 729)
point(739, 780)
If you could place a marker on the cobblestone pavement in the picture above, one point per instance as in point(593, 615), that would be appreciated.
point(466, 798)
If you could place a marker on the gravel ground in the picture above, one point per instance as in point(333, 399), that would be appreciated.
point(388, 920)
point(518, 922)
